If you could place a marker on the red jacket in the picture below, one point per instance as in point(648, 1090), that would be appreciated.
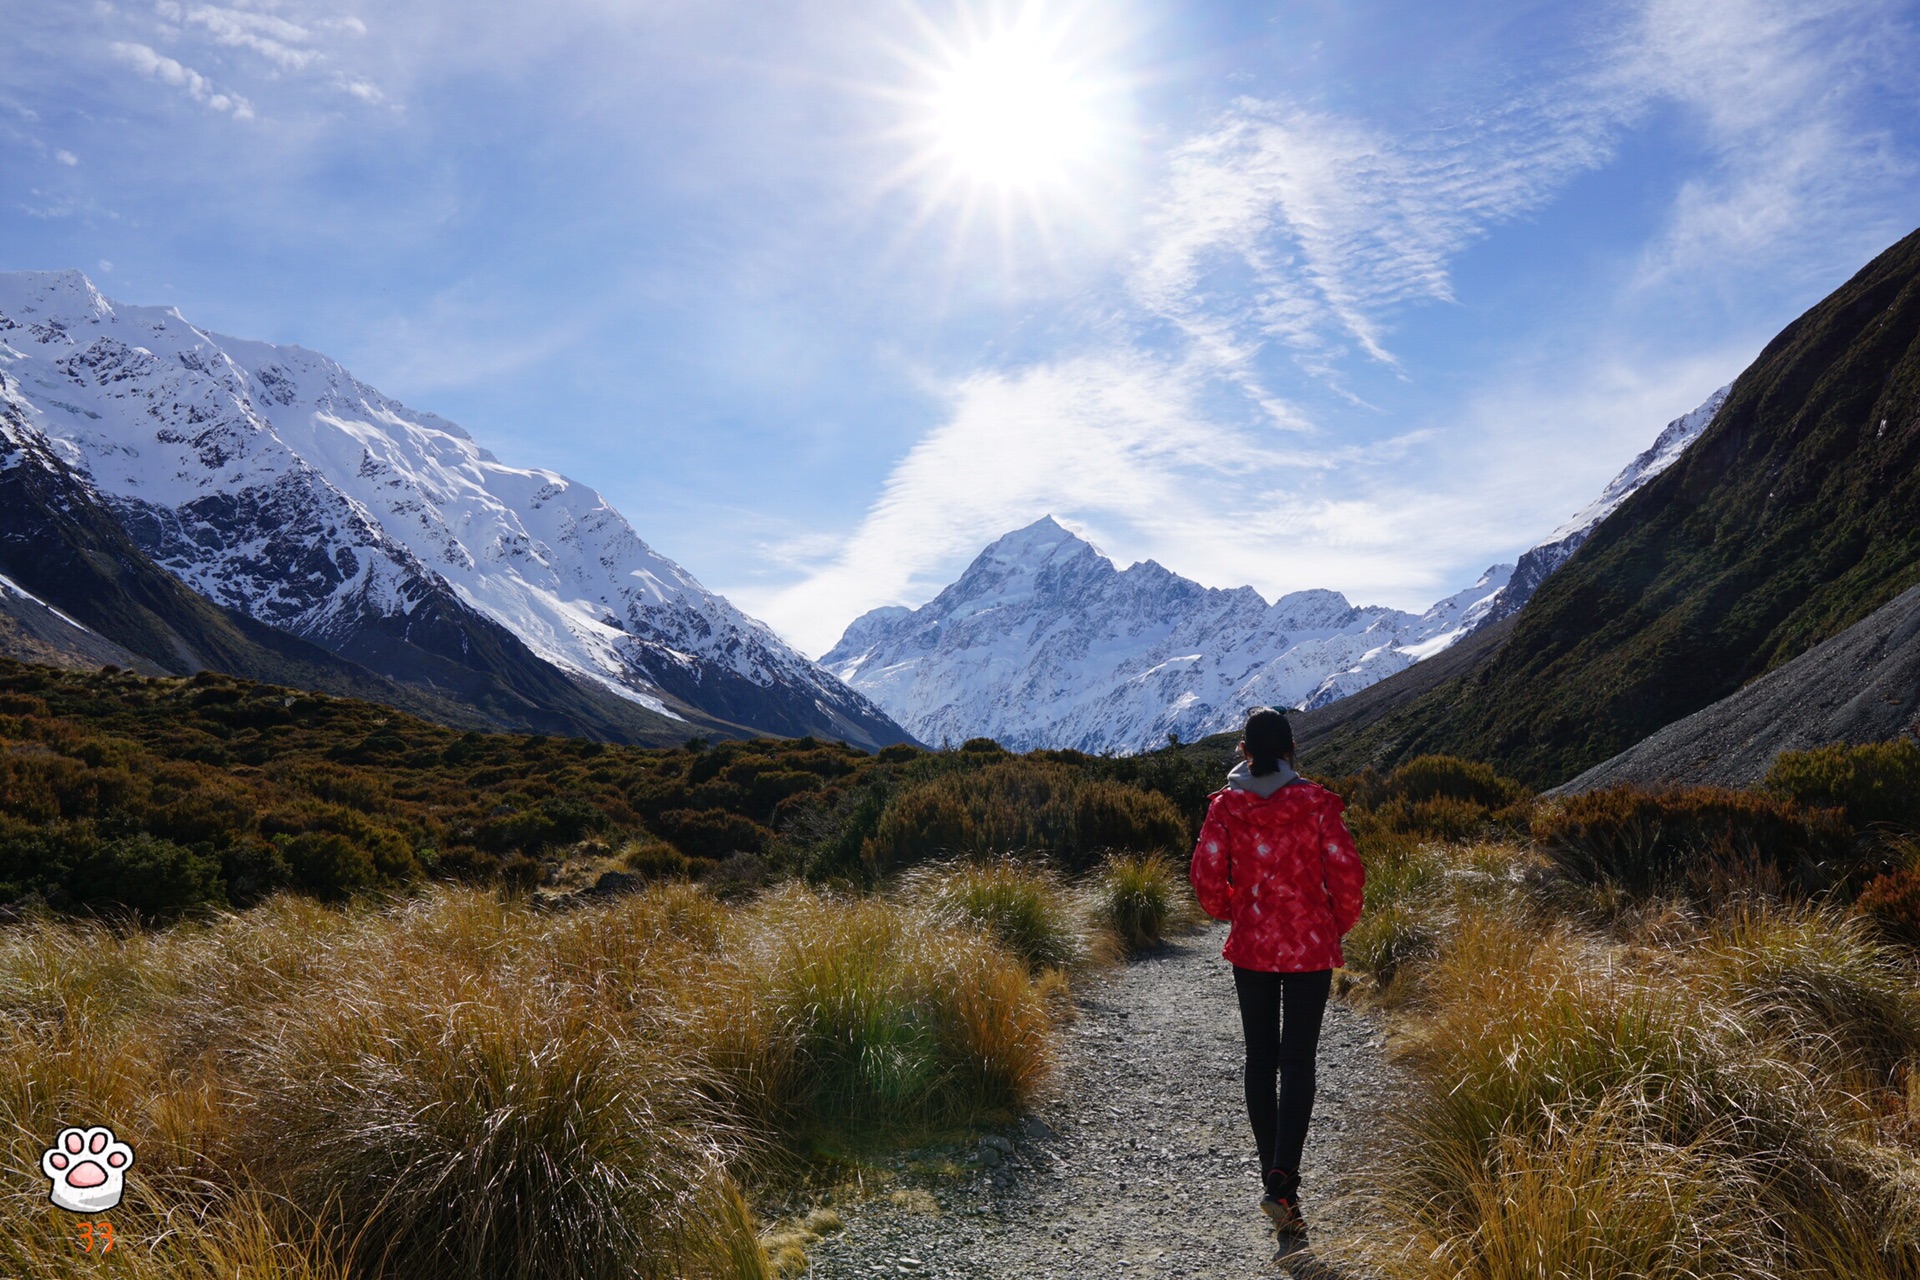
point(1284, 870)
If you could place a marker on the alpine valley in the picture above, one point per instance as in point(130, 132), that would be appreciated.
point(348, 543)
point(1043, 642)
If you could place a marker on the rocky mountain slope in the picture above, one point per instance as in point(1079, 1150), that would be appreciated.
point(1043, 642)
point(1790, 519)
point(1862, 685)
point(275, 484)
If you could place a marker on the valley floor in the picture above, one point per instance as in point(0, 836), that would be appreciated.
point(1139, 1162)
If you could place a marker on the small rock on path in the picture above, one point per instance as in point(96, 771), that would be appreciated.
point(1139, 1162)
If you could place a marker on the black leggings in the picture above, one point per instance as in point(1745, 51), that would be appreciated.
point(1281, 1054)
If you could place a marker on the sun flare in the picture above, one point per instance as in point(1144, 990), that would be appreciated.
point(1010, 112)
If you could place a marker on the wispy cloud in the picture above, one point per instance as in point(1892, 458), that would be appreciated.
point(1791, 96)
point(1283, 224)
point(304, 46)
point(170, 71)
point(287, 45)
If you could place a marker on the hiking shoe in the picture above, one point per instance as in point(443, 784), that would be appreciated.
point(1281, 1203)
point(1284, 1210)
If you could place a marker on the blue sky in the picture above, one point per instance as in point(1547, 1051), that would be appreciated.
point(825, 296)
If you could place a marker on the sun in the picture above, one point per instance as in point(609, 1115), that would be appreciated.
point(1011, 125)
point(1011, 112)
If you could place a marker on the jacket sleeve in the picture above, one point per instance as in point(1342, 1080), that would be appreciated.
point(1345, 875)
point(1211, 868)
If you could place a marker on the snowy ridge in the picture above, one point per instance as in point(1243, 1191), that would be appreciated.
point(9, 587)
point(272, 481)
point(1540, 561)
point(1044, 642)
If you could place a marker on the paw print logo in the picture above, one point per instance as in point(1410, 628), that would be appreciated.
point(88, 1168)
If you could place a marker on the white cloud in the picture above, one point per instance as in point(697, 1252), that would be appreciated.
point(285, 44)
point(287, 47)
point(66, 157)
point(1122, 446)
point(1111, 434)
point(145, 60)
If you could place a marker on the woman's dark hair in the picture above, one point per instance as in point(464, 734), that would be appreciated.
point(1268, 736)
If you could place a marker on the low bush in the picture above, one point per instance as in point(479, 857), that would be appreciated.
point(1875, 784)
point(1434, 797)
point(867, 1016)
point(1701, 843)
point(509, 1136)
point(1432, 777)
point(1892, 902)
point(1402, 913)
point(157, 879)
point(1823, 982)
point(1020, 806)
point(655, 859)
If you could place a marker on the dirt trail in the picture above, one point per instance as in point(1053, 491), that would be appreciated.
point(1141, 1164)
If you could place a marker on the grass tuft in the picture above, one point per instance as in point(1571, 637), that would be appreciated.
point(1026, 907)
point(1136, 898)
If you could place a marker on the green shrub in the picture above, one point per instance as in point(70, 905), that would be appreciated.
point(1400, 920)
point(711, 833)
point(153, 877)
point(1020, 806)
point(327, 866)
point(1878, 783)
point(1109, 815)
point(1430, 777)
point(1697, 842)
point(1435, 797)
point(1134, 899)
point(869, 1015)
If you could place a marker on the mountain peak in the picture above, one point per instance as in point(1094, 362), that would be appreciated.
point(65, 295)
point(1036, 543)
point(1043, 643)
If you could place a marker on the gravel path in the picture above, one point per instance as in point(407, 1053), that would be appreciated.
point(1139, 1163)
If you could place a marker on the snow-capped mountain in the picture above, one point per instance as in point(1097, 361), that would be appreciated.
point(1539, 561)
point(1043, 642)
point(273, 482)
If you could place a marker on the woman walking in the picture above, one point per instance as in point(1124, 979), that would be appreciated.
point(1275, 859)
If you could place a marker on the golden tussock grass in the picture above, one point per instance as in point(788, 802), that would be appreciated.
point(461, 1085)
point(1687, 1093)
